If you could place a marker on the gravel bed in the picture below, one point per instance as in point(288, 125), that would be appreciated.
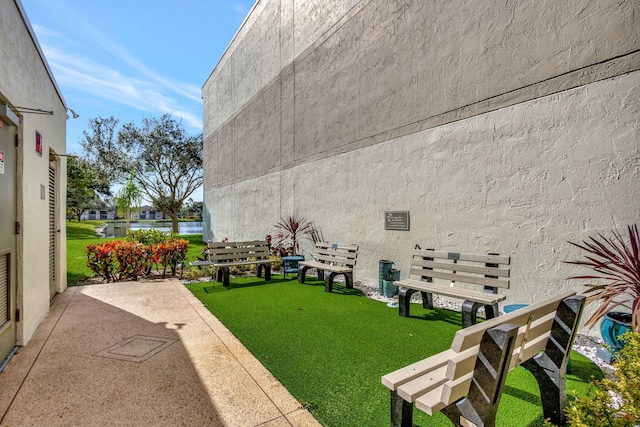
point(584, 344)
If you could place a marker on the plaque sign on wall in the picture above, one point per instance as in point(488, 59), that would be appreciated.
point(396, 220)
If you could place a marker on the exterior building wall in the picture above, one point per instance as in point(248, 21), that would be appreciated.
point(508, 128)
point(26, 81)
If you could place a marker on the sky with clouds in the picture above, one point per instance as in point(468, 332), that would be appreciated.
point(133, 58)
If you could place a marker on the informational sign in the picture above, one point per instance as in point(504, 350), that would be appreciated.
point(38, 143)
point(2, 162)
point(396, 220)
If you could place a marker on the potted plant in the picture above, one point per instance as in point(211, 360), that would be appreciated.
point(616, 265)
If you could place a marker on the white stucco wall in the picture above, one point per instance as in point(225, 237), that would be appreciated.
point(506, 128)
point(26, 81)
point(520, 181)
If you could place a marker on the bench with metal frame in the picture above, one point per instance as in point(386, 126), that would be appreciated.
point(223, 255)
point(333, 258)
point(450, 269)
point(465, 382)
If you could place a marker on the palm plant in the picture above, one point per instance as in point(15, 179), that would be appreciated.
point(293, 229)
point(616, 263)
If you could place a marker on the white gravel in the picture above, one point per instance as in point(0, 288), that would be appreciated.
point(583, 344)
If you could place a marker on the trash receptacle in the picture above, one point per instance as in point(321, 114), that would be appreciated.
point(384, 267)
point(388, 288)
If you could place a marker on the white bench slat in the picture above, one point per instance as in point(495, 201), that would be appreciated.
point(334, 259)
point(226, 244)
point(454, 292)
point(199, 263)
point(431, 402)
point(490, 271)
point(236, 263)
point(536, 338)
point(409, 391)
point(341, 246)
point(456, 277)
point(327, 267)
point(472, 335)
point(396, 378)
point(456, 389)
point(490, 259)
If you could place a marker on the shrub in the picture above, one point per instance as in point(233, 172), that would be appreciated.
point(133, 259)
point(120, 259)
point(612, 402)
point(170, 254)
point(150, 236)
point(101, 260)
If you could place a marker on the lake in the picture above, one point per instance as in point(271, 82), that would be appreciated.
point(118, 229)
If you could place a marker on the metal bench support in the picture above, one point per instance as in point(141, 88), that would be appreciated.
point(550, 368)
point(480, 406)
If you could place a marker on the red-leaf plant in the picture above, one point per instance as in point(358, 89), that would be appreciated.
point(293, 229)
point(617, 264)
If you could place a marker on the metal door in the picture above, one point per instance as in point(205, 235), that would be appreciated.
point(7, 239)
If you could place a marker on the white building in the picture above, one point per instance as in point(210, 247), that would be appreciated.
point(32, 181)
point(506, 127)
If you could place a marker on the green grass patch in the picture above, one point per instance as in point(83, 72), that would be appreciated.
point(81, 234)
point(330, 349)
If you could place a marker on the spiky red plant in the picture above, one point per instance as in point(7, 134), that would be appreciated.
point(294, 228)
point(617, 264)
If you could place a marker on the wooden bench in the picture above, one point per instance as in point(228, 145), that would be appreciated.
point(449, 269)
point(334, 258)
point(223, 255)
point(466, 381)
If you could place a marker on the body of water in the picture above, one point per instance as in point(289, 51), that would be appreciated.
point(118, 229)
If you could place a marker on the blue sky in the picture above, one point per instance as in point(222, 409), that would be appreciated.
point(135, 58)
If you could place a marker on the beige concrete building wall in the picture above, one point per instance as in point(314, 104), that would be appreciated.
point(26, 81)
point(507, 127)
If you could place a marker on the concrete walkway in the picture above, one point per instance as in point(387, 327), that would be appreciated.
point(140, 354)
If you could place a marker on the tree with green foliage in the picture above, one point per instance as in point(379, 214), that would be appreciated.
point(85, 187)
point(167, 161)
point(128, 199)
point(191, 209)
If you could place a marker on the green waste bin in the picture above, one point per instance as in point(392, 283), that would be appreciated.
point(384, 267)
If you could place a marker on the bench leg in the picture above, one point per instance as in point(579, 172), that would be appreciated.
point(404, 301)
point(259, 270)
point(348, 280)
point(550, 368)
point(225, 276)
point(328, 283)
point(427, 300)
point(267, 271)
point(302, 273)
point(219, 274)
point(401, 411)
point(492, 365)
point(470, 313)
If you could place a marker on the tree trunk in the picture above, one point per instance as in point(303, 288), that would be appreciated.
point(174, 221)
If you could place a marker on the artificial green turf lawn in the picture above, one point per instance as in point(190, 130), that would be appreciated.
point(81, 234)
point(330, 349)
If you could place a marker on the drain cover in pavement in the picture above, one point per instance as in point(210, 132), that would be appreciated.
point(138, 348)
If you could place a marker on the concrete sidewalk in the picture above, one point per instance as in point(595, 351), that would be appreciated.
point(140, 354)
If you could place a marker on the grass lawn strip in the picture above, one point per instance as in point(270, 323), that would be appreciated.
point(330, 349)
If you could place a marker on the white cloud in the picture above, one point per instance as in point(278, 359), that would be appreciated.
point(146, 91)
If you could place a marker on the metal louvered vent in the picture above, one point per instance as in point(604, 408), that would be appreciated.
point(52, 229)
point(4, 289)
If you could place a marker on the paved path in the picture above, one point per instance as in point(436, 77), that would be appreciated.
point(140, 354)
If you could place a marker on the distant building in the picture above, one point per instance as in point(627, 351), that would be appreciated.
point(32, 181)
point(506, 127)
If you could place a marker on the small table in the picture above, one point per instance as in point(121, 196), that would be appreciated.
point(290, 264)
